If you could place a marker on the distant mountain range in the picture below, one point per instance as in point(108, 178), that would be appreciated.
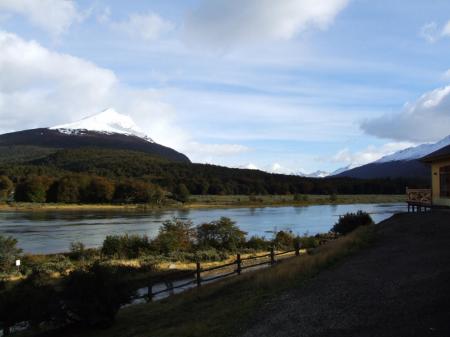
point(108, 129)
point(405, 163)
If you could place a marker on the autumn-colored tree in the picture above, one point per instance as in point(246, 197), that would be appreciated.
point(99, 190)
point(6, 186)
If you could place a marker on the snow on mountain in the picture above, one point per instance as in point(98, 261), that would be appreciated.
point(340, 170)
point(316, 174)
point(107, 121)
point(415, 152)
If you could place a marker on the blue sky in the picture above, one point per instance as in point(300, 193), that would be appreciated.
point(285, 86)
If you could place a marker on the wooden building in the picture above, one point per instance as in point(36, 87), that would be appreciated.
point(440, 176)
point(439, 194)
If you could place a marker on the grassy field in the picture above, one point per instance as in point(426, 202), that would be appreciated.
point(226, 307)
point(213, 201)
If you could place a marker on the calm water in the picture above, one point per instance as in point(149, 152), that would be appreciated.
point(50, 232)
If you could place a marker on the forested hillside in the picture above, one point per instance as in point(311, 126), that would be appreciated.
point(100, 175)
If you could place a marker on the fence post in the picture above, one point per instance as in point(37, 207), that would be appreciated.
point(150, 292)
point(297, 248)
point(238, 262)
point(197, 274)
point(272, 256)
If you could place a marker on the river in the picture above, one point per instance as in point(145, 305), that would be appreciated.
point(52, 232)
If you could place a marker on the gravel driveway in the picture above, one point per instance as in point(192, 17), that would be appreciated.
point(400, 286)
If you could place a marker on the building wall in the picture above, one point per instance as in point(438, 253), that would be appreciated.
point(435, 183)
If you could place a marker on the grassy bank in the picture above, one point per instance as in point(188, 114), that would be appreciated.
point(224, 308)
point(213, 201)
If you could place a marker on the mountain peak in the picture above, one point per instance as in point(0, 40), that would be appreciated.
point(107, 121)
point(416, 152)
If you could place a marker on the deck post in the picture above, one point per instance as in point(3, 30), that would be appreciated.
point(197, 274)
point(238, 262)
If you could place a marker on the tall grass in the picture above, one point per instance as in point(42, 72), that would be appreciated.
point(220, 309)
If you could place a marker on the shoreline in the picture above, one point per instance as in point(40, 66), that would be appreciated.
point(207, 202)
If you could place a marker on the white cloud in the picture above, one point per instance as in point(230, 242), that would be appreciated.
point(40, 88)
point(446, 75)
point(446, 29)
point(427, 119)
point(148, 26)
point(226, 23)
point(431, 32)
point(369, 154)
point(54, 16)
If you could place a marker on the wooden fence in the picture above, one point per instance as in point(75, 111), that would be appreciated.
point(233, 268)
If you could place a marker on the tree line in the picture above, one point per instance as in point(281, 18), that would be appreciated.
point(127, 176)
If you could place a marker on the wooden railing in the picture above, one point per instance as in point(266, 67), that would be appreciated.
point(206, 275)
point(422, 196)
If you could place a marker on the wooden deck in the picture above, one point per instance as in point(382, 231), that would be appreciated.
point(419, 199)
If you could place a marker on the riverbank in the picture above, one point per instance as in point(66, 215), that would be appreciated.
point(211, 201)
point(394, 284)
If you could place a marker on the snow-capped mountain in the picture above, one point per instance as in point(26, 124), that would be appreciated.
point(108, 121)
point(415, 152)
point(405, 163)
point(107, 130)
point(316, 174)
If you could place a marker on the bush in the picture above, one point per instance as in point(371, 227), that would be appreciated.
point(125, 246)
point(174, 236)
point(258, 243)
point(350, 221)
point(78, 251)
point(221, 234)
point(284, 240)
point(9, 252)
point(333, 197)
point(94, 297)
point(48, 264)
point(308, 241)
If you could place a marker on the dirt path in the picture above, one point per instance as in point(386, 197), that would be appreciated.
point(398, 287)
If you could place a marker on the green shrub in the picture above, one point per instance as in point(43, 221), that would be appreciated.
point(125, 246)
point(53, 264)
point(210, 255)
point(350, 221)
point(284, 240)
point(258, 243)
point(175, 236)
point(307, 241)
point(9, 252)
point(221, 234)
point(333, 197)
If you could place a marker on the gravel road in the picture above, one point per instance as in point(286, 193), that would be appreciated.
point(400, 286)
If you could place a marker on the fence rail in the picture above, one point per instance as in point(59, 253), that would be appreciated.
point(238, 262)
point(419, 196)
point(419, 199)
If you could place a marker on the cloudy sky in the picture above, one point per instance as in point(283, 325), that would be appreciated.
point(283, 85)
